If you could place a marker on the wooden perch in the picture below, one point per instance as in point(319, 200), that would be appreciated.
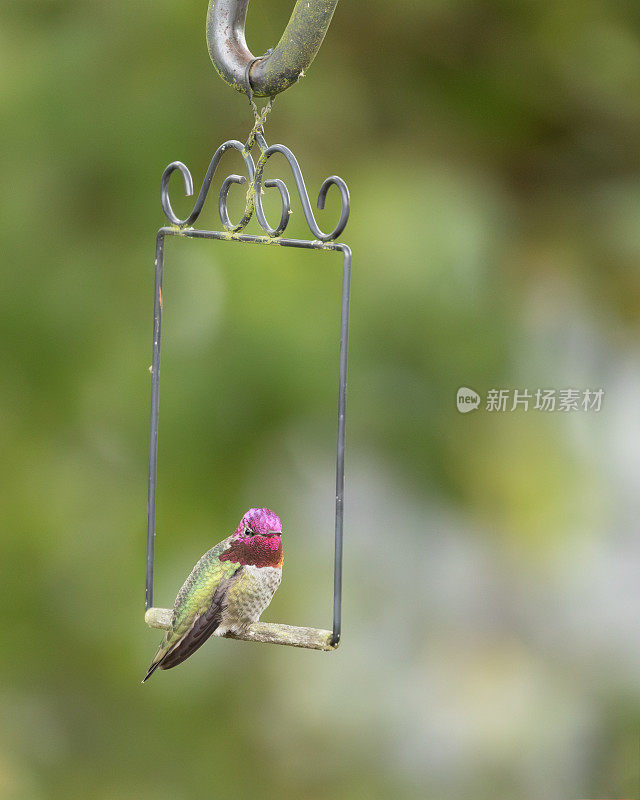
point(268, 632)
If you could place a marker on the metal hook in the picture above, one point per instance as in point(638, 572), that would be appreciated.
point(278, 70)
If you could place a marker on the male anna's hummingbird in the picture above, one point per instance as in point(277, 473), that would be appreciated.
point(227, 590)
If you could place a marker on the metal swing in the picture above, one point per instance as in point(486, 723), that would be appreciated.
point(266, 76)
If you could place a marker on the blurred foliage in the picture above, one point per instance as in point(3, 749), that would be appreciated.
point(491, 589)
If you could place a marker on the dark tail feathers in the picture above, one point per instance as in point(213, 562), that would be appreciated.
point(151, 670)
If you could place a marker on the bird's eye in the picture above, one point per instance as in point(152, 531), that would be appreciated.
point(247, 531)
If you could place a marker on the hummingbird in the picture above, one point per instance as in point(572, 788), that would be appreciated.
point(227, 590)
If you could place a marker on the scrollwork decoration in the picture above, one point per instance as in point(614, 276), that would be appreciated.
point(254, 191)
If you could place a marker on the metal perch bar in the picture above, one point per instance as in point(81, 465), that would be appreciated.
point(267, 632)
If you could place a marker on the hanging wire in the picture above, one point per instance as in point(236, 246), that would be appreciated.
point(259, 116)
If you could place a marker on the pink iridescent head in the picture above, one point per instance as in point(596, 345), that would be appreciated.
point(260, 522)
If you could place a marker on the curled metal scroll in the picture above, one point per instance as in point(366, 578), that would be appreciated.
point(254, 191)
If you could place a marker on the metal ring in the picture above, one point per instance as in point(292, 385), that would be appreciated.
point(247, 77)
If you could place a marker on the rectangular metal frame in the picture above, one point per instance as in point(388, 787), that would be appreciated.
point(191, 233)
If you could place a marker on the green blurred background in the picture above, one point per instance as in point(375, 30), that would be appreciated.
point(492, 588)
